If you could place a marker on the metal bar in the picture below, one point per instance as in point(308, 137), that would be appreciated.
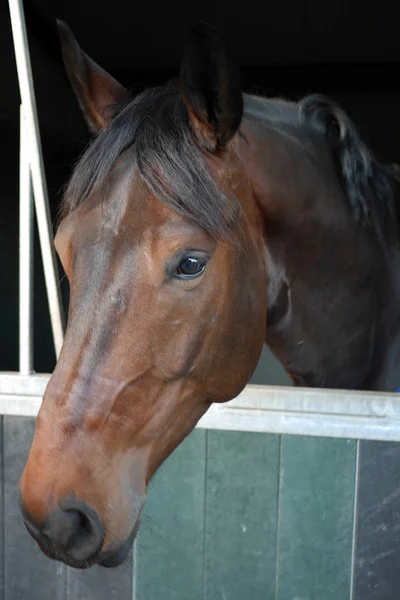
point(31, 385)
point(37, 170)
point(19, 405)
point(353, 569)
point(317, 424)
point(25, 255)
point(265, 409)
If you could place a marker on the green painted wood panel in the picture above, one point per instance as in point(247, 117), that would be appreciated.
point(169, 556)
point(315, 518)
point(241, 516)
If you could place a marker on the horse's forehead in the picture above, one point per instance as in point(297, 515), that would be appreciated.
point(125, 199)
point(123, 205)
point(125, 214)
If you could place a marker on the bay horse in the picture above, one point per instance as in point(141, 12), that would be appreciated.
point(200, 223)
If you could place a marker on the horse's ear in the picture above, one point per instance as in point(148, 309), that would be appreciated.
point(96, 90)
point(210, 87)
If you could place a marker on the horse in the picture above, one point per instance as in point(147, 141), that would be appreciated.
point(200, 223)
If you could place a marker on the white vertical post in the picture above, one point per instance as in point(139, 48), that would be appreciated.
point(25, 255)
point(37, 170)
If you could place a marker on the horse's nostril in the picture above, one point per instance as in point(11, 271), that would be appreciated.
point(73, 530)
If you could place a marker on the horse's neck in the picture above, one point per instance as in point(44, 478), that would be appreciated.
point(333, 315)
point(334, 331)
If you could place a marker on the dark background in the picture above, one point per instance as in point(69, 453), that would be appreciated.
point(346, 49)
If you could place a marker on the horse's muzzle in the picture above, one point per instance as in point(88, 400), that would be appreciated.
point(72, 533)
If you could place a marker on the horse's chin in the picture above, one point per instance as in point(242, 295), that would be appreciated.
point(116, 555)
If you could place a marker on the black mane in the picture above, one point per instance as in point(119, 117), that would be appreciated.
point(155, 127)
point(369, 186)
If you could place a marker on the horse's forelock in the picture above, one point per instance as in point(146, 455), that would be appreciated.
point(155, 126)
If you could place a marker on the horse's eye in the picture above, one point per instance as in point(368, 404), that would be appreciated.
point(190, 267)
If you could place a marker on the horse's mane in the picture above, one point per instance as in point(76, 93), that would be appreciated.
point(154, 127)
point(370, 187)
